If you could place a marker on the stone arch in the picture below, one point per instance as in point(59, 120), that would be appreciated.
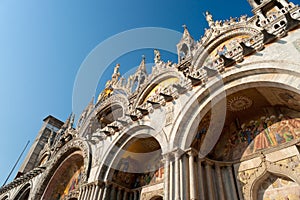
point(136, 130)
point(239, 30)
point(263, 171)
point(164, 75)
point(250, 75)
point(118, 98)
point(23, 193)
point(117, 102)
point(183, 51)
point(92, 121)
point(76, 145)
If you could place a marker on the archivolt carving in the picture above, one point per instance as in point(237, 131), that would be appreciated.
point(63, 153)
point(115, 98)
point(201, 54)
point(154, 79)
point(22, 188)
point(264, 168)
point(150, 195)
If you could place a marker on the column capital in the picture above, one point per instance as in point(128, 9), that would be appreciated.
point(177, 153)
point(167, 156)
point(192, 152)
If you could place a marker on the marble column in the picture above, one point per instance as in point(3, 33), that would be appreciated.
point(171, 182)
point(95, 191)
point(166, 176)
point(184, 175)
point(200, 181)
point(92, 188)
point(125, 195)
point(113, 191)
point(177, 175)
point(119, 193)
point(232, 182)
point(192, 178)
point(210, 183)
point(81, 195)
point(220, 183)
point(105, 192)
point(99, 195)
point(182, 178)
point(131, 196)
point(86, 192)
point(135, 195)
point(92, 191)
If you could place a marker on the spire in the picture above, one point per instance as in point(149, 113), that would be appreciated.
point(185, 31)
point(185, 45)
point(186, 36)
point(142, 66)
point(91, 104)
point(67, 122)
point(71, 120)
point(86, 112)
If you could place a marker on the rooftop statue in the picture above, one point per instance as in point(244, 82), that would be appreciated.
point(156, 56)
point(209, 18)
point(115, 76)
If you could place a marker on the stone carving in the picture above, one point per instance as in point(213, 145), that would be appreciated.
point(264, 169)
point(156, 56)
point(209, 18)
point(115, 76)
point(169, 114)
point(239, 103)
point(72, 146)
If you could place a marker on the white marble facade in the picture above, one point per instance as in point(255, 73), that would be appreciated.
point(222, 123)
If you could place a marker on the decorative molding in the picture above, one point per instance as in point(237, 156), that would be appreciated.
point(62, 154)
point(249, 178)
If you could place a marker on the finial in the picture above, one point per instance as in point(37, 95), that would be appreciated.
point(72, 120)
point(92, 101)
point(142, 66)
point(185, 31)
point(67, 122)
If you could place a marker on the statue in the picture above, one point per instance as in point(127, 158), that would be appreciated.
point(232, 20)
point(115, 76)
point(209, 18)
point(156, 56)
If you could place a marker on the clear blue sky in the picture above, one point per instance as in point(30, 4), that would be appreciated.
point(43, 43)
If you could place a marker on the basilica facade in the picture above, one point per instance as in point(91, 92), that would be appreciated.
point(221, 123)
